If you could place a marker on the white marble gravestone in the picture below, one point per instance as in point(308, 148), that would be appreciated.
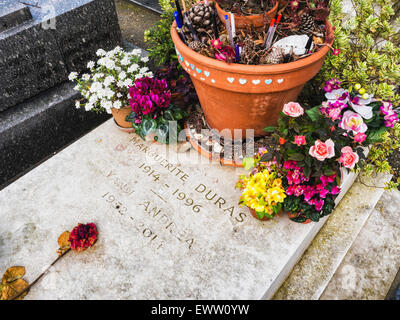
point(160, 237)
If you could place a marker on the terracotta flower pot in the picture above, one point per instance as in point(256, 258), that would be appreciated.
point(120, 115)
point(254, 214)
point(257, 20)
point(293, 215)
point(237, 96)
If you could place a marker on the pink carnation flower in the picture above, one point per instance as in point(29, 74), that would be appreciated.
point(360, 137)
point(300, 140)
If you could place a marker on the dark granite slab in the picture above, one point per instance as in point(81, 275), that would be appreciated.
point(61, 37)
point(34, 130)
point(148, 4)
point(13, 14)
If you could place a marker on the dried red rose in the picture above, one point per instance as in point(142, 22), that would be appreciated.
point(83, 236)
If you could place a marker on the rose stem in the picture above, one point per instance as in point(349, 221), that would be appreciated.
point(40, 276)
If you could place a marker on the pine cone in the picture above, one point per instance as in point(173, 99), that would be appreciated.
point(307, 24)
point(200, 16)
point(196, 45)
point(274, 57)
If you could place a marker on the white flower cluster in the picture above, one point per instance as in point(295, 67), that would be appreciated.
point(107, 84)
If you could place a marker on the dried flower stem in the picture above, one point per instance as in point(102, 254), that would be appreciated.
point(40, 276)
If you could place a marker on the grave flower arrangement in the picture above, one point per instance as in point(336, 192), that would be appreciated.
point(106, 86)
point(152, 111)
point(316, 145)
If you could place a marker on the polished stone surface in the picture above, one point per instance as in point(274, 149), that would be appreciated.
point(12, 14)
point(368, 270)
point(311, 275)
point(37, 128)
point(62, 37)
point(170, 226)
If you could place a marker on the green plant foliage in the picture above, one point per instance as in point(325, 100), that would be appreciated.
point(159, 128)
point(161, 48)
point(369, 44)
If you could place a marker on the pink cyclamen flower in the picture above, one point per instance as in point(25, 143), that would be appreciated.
point(360, 137)
point(293, 109)
point(336, 52)
point(323, 150)
point(319, 204)
point(300, 140)
point(349, 158)
point(335, 190)
point(353, 122)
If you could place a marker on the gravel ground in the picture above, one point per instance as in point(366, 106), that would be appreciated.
point(133, 21)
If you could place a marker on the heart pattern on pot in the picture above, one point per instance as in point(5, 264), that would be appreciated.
point(256, 82)
point(268, 81)
point(187, 63)
point(280, 80)
point(242, 81)
point(206, 73)
point(230, 79)
point(212, 80)
point(192, 66)
point(198, 70)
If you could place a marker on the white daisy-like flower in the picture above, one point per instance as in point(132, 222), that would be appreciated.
point(145, 59)
point(122, 75)
point(98, 75)
point(110, 64)
point(72, 76)
point(76, 88)
point(117, 104)
point(143, 70)
point(119, 95)
point(120, 84)
point(108, 111)
point(109, 93)
point(117, 49)
point(101, 93)
point(96, 86)
point(133, 68)
point(106, 104)
point(102, 62)
point(88, 106)
point(108, 80)
point(100, 52)
point(77, 104)
point(86, 77)
point(90, 64)
point(136, 52)
point(93, 98)
point(149, 74)
point(139, 76)
point(128, 82)
point(125, 61)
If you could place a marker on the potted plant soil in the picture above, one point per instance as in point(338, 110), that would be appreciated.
point(247, 90)
point(253, 12)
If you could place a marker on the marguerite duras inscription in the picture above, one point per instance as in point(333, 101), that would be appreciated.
point(165, 183)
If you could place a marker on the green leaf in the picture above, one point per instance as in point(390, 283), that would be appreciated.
point(314, 113)
point(269, 129)
point(130, 117)
point(260, 215)
point(248, 163)
point(297, 157)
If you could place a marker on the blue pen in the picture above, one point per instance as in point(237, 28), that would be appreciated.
point(179, 25)
point(237, 53)
point(228, 28)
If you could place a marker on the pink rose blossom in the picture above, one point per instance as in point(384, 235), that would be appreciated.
point(360, 137)
point(353, 122)
point(300, 140)
point(349, 158)
point(293, 109)
point(323, 150)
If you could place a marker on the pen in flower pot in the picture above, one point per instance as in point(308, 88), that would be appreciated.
point(308, 45)
point(178, 8)
point(233, 26)
point(179, 26)
point(190, 25)
point(271, 26)
point(228, 29)
point(275, 25)
point(237, 53)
